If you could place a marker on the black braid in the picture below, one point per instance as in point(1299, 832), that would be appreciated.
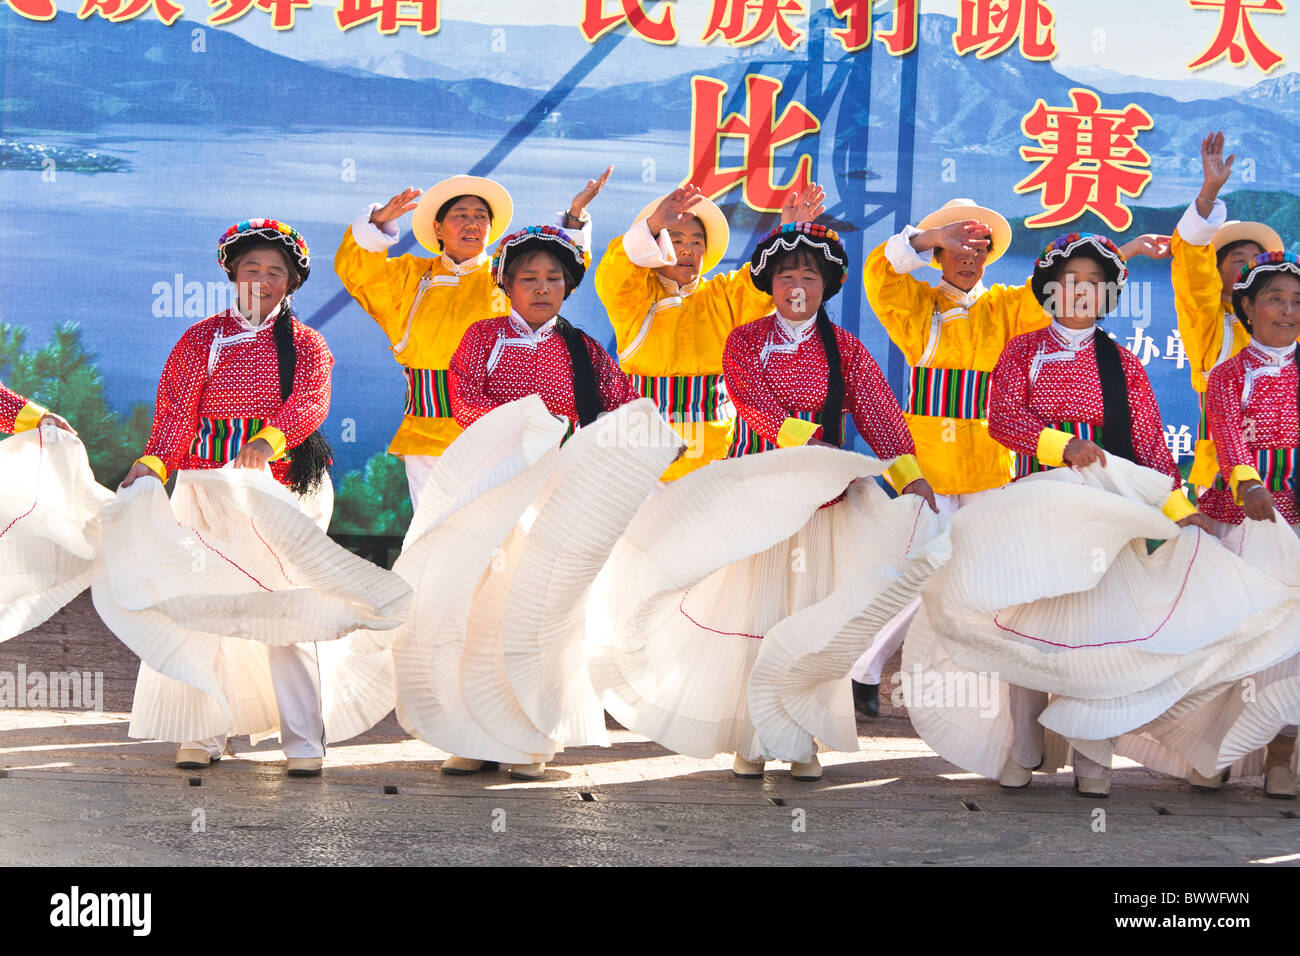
point(1118, 430)
point(832, 416)
point(585, 394)
point(308, 462)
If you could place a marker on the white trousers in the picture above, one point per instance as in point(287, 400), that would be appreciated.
point(295, 675)
point(418, 469)
point(890, 637)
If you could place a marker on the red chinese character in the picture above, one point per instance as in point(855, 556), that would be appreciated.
point(596, 23)
point(351, 13)
point(1089, 157)
point(729, 17)
point(991, 26)
point(281, 11)
point(118, 11)
point(33, 9)
point(1236, 18)
point(760, 133)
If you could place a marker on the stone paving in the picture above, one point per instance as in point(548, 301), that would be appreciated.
point(74, 790)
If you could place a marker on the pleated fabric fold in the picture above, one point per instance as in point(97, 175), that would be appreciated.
point(200, 585)
point(501, 556)
point(1052, 587)
point(49, 525)
point(733, 607)
point(1226, 725)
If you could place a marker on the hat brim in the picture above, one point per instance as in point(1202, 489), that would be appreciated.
point(717, 233)
point(1263, 236)
point(490, 191)
point(996, 222)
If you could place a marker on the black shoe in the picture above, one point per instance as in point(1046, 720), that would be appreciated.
point(866, 699)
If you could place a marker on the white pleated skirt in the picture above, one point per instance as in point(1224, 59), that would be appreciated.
point(200, 585)
point(733, 608)
point(1051, 587)
point(49, 526)
point(1227, 725)
point(511, 532)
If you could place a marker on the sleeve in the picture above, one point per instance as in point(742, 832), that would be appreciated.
point(309, 403)
point(1198, 288)
point(902, 303)
point(16, 413)
point(382, 286)
point(747, 303)
point(1011, 422)
point(626, 283)
point(1018, 309)
point(1148, 427)
point(753, 396)
point(176, 412)
point(468, 380)
point(877, 413)
point(612, 383)
point(1226, 421)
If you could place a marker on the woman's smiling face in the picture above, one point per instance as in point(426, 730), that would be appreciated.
point(262, 279)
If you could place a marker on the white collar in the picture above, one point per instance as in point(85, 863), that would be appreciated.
point(238, 315)
point(1072, 339)
point(676, 288)
point(463, 268)
point(1273, 355)
point(525, 331)
point(796, 333)
point(963, 299)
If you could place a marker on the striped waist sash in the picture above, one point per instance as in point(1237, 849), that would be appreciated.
point(949, 393)
point(1029, 464)
point(427, 393)
point(1203, 422)
point(220, 439)
point(685, 398)
point(1276, 467)
point(749, 442)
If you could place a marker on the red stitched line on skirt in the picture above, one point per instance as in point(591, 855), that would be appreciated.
point(704, 627)
point(1187, 574)
point(285, 574)
point(228, 561)
point(41, 439)
point(915, 524)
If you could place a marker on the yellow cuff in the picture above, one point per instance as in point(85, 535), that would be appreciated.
point(903, 472)
point(1051, 446)
point(29, 417)
point(273, 437)
point(1177, 507)
point(796, 431)
point(154, 464)
point(1239, 474)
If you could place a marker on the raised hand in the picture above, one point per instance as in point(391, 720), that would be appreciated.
point(1152, 245)
point(1215, 168)
point(587, 193)
point(967, 235)
point(673, 208)
point(803, 205)
point(397, 207)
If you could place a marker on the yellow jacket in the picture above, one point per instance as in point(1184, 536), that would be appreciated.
point(424, 307)
point(952, 340)
point(670, 338)
point(1209, 328)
